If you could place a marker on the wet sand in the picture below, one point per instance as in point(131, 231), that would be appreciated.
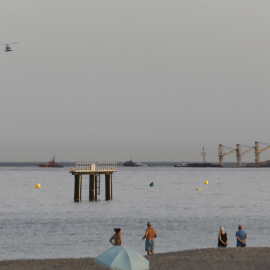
point(210, 259)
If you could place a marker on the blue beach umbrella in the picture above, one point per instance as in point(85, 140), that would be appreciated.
point(122, 258)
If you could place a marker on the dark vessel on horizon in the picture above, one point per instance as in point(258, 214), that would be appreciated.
point(129, 163)
point(202, 165)
point(197, 164)
point(51, 164)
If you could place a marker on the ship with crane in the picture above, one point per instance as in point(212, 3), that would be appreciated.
point(239, 154)
point(226, 150)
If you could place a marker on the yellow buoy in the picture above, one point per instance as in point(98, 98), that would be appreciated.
point(206, 182)
point(198, 188)
point(178, 189)
point(37, 186)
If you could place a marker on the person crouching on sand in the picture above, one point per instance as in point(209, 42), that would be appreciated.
point(222, 238)
point(116, 239)
point(150, 235)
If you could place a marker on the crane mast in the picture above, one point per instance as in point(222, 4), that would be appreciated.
point(203, 153)
point(221, 153)
point(258, 151)
point(239, 154)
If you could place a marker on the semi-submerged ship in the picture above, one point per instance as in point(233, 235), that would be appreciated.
point(204, 164)
point(51, 164)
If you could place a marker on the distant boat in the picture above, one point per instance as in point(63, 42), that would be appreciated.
point(180, 165)
point(51, 164)
point(130, 163)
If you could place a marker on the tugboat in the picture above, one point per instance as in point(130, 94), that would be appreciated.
point(51, 164)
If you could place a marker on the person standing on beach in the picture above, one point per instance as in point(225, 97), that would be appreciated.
point(116, 239)
point(150, 235)
point(241, 237)
point(222, 238)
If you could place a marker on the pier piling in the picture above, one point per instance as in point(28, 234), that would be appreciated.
point(108, 183)
point(92, 187)
point(77, 188)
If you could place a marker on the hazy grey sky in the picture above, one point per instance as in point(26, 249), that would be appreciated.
point(148, 79)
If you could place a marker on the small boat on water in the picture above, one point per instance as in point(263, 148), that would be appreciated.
point(139, 164)
point(51, 164)
point(180, 165)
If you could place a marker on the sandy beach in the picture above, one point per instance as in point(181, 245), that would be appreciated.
point(212, 258)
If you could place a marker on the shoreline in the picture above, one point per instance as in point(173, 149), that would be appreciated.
point(210, 258)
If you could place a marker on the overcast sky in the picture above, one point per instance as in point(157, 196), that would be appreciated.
point(151, 80)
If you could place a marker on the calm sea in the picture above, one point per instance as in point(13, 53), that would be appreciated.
point(46, 223)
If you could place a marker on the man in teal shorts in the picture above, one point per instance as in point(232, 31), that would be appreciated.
point(150, 235)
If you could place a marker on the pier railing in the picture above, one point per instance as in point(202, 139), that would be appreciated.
point(96, 167)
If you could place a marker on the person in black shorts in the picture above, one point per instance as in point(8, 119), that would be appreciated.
point(222, 238)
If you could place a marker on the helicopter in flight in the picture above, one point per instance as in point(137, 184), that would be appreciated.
point(8, 48)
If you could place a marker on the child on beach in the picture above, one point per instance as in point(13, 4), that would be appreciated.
point(222, 238)
point(116, 239)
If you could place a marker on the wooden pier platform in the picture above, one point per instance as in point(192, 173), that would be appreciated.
point(94, 170)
